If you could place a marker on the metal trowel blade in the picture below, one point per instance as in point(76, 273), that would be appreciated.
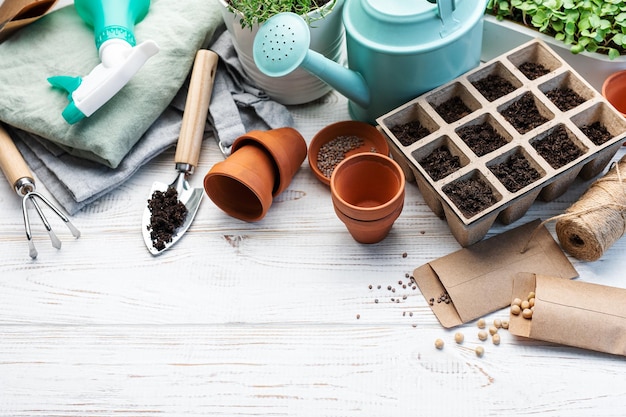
point(190, 197)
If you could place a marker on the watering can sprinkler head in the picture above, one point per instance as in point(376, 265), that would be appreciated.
point(282, 45)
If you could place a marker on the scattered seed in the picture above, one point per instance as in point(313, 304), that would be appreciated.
point(515, 310)
point(404, 255)
point(505, 324)
point(531, 302)
point(480, 351)
point(495, 339)
point(481, 323)
point(376, 300)
point(517, 302)
point(439, 344)
point(525, 305)
point(482, 335)
point(459, 337)
point(493, 330)
point(370, 287)
point(497, 323)
point(527, 313)
point(358, 316)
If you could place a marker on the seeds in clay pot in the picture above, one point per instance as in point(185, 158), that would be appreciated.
point(334, 151)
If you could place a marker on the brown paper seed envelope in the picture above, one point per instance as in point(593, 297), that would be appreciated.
point(478, 279)
point(572, 313)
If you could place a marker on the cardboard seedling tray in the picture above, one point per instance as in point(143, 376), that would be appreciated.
point(509, 206)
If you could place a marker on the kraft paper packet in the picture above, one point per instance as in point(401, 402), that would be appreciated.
point(15, 14)
point(572, 313)
point(478, 279)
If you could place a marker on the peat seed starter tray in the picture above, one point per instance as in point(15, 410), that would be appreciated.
point(474, 180)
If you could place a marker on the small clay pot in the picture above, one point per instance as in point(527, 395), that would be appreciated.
point(261, 166)
point(373, 141)
point(614, 90)
point(367, 191)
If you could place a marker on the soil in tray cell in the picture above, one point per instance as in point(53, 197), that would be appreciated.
point(453, 109)
point(515, 173)
point(481, 138)
point(410, 132)
point(440, 163)
point(523, 114)
point(597, 133)
point(565, 98)
point(533, 70)
point(471, 195)
point(557, 148)
point(493, 86)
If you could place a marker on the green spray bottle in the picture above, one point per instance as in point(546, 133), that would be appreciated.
point(113, 22)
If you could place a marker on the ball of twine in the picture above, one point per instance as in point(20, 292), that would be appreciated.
point(598, 219)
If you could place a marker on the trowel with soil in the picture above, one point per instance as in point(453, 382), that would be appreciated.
point(171, 208)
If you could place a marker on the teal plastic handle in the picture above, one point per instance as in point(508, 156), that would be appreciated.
point(112, 19)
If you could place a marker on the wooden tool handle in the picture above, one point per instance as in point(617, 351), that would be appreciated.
point(196, 107)
point(11, 160)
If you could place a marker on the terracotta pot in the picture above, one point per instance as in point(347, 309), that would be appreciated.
point(285, 145)
point(373, 141)
point(260, 166)
point(614, 90)
point(369, 231)
point(367, 191)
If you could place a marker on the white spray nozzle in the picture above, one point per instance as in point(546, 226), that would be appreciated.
point(120, 62)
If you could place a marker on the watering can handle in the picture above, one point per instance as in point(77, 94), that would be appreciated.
point(449, 23)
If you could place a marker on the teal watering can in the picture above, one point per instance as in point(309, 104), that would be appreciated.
point(397, 50)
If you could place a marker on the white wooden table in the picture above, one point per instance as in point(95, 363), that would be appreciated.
point(251, 319)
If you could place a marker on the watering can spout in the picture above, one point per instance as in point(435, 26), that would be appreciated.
point(282, 45)
point(347, 82)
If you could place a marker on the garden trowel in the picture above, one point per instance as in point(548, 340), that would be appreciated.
point(171, 208)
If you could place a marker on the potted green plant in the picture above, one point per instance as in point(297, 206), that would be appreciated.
point(587, 34)
point(243, 18)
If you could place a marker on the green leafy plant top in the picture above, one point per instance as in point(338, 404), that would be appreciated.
point(586, 25)
point(258, 11)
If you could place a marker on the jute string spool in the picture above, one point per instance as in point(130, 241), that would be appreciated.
point(596, 221)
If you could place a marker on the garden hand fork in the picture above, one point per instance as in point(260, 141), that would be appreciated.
point(17, 172)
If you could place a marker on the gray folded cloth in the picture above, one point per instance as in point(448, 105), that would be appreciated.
point(237, 107)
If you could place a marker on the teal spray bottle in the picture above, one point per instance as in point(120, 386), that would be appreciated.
point(113, 22)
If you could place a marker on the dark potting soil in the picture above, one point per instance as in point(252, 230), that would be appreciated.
point(410, 132)
point(533, 70)
point(453, 109)
point(493, 86)
point(515, 173)
point(471, 195)
point(557, 148)
point(481, 138)
point(597, 133)
point(167, 214)
point(565, 98)
point(440, 163)
point(523, 114)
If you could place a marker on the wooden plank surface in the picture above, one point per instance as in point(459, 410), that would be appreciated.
point(249, 319)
